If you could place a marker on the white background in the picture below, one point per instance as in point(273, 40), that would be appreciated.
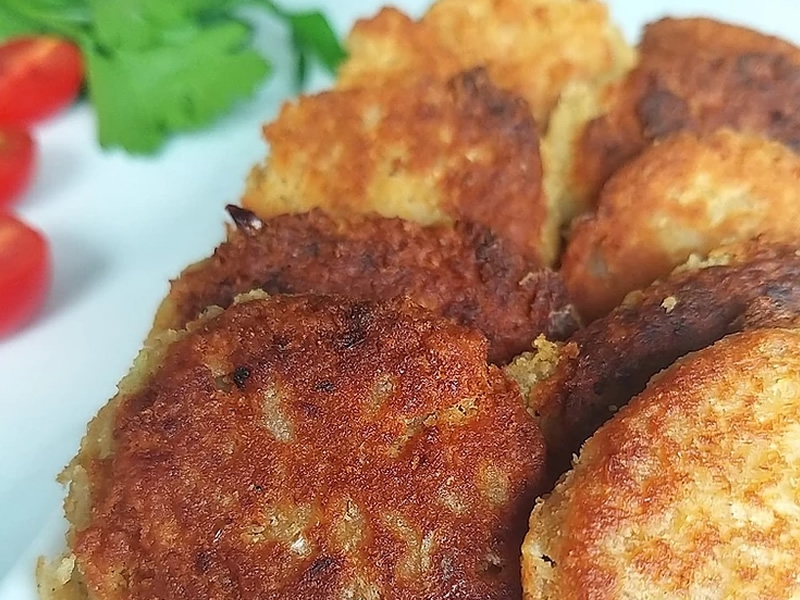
point(120, 227)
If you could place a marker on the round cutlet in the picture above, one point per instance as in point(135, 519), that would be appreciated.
point(684, 195)
point(465, 273)
point(307, 447)
point(531, 47)
point(431, 151)
point(694, 75)
point(534, 47)
point(689, 492)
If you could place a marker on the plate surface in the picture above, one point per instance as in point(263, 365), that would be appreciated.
point(120, 227)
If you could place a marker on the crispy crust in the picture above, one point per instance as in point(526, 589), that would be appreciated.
point(578, 104)
point(611, 360)
point(687, 194)
point(307, 447)
point(392, 47)
point(690, 492)
point(697, 75)
point(566, 41)
point(431, 152)
point(463, 273)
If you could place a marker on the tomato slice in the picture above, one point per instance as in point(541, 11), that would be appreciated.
point(17, 158)
point(39, 76)
point(25, 272)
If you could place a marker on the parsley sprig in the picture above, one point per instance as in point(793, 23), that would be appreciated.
point(157, 67)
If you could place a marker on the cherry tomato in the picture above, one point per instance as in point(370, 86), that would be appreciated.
point(25, 272)
point(39, 76)
point(17, 157)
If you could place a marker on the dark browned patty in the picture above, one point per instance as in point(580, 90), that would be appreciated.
point(308, 447)
point(612, 359)
point(464, 273)
point(697, 75)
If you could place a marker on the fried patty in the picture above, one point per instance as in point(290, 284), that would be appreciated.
point(391, 47)
point(305, 447)
point(429, 152)
point(531, 47)
point(689, 492)
point(578, 104)
point(464, 273)
point(693, 75)
point(685, 195)
point(745, 286)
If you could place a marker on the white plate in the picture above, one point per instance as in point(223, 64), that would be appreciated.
point(120, 227)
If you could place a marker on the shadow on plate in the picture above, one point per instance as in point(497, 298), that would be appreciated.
point(56, 169)
point(77, 267)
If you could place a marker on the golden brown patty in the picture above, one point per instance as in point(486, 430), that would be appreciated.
point(391, 47)
point(430, 152)
point(463, 273)
point(578, 104)
point(687, 194)
point(689, 492)
point(307, 447)
point(531, 47)
point(697, 75)
point(608, 362)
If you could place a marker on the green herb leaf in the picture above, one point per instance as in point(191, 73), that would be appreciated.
point(141, 23)
point(12, 24)
point(155, 67)
point(301, 69)
point(194, 76)
point(314, 36)
point(67, 19)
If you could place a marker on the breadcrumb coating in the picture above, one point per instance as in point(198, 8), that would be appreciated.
point(689, 492)
point(743, 286)
point(685, 195)
point(464, 273)
point(696, 75)
point(534, 48)
point(429, 152)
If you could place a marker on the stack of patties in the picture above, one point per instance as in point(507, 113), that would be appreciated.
point(340, 432)
point(438, 120)
point(691, 486)
point(694, 147)
point(362, 392)
point(574, 387)
point(689, 489)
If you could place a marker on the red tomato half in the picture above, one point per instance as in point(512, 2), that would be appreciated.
point(17, 157)
point(38, 77)
point(25, 273)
